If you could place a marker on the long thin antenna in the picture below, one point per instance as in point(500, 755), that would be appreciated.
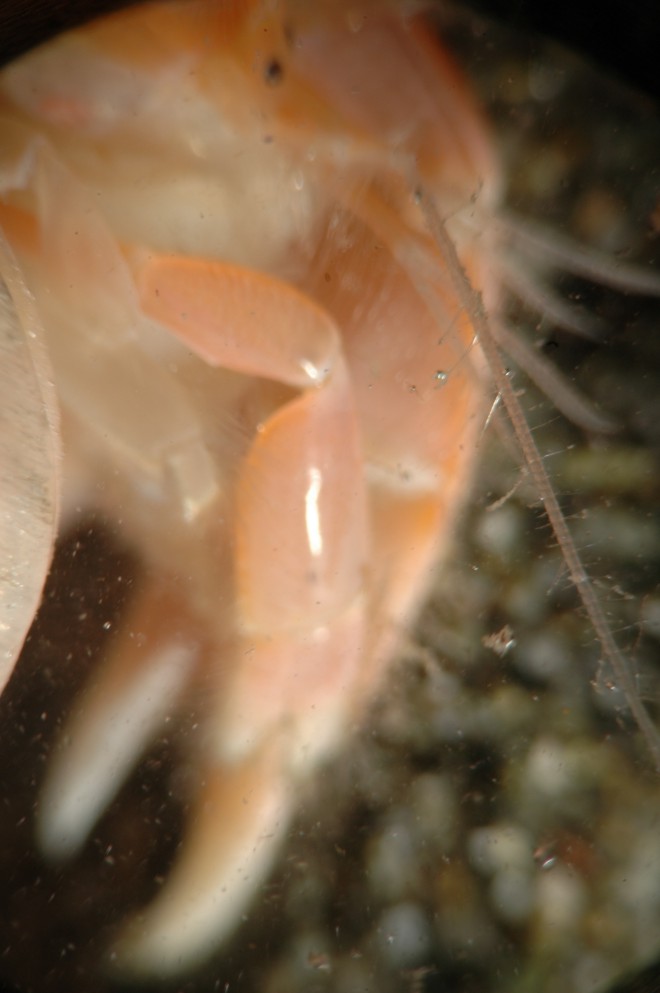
point(470, 299)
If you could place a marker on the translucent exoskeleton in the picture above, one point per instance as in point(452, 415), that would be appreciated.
point(270, 286)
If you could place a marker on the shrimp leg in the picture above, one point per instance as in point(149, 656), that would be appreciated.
point(29, 461)
point(300, 545)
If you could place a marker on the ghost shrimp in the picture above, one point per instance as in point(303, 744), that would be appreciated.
point(261, 284)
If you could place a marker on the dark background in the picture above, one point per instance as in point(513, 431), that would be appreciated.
point(623, 37)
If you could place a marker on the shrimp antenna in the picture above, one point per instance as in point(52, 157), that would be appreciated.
point(470, 299)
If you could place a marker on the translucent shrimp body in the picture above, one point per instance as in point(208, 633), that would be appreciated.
point(267, 380)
